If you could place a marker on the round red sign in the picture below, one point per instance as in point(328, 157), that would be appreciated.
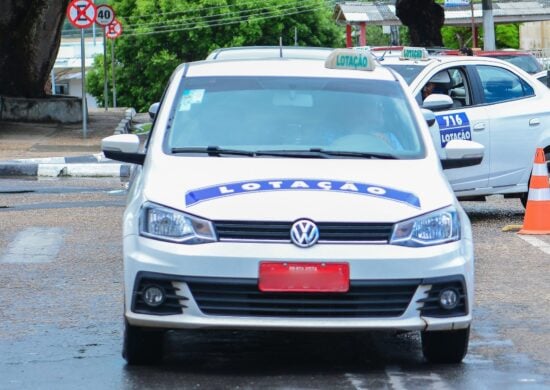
point(113, 30)
point(81, 13)
point(105, 15)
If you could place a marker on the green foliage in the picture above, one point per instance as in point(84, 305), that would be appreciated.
point(506, 36)
point(160, 34)
point(456, 37)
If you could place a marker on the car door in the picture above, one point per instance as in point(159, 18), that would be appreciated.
point(465, 120)
point(517, 119)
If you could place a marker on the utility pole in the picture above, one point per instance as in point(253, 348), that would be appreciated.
point(474, 32)
point(488, 25)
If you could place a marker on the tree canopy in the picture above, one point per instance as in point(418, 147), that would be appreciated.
point(159, 35)
point(30, 33)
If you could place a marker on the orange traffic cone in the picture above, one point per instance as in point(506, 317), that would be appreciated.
point(537, 212)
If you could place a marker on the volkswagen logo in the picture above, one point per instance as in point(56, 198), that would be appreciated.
point(304, 233)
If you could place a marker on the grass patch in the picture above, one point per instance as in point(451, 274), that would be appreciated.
point(142, 128)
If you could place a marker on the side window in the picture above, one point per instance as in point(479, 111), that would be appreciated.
point(500, 85)
point(452, 82)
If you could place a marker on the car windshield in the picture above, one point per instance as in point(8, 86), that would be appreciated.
point(300, 115)
point(408, 71)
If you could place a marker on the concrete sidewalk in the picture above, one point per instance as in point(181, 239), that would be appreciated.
point(52, 149)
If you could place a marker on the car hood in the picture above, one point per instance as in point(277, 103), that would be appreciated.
point(286, 189)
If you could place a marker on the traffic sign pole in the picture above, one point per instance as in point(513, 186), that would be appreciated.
point(113, 71)
point(105, 16)
point(83, 70)
point(105, 69)
point(113, 31)
point(82, 14)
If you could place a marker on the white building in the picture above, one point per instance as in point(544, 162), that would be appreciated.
point(66, 74)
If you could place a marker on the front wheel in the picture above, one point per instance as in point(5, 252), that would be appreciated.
point(142, 346)
point(445, 346)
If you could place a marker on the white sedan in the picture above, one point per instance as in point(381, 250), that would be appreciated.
point(287, 194)
point(492, 102)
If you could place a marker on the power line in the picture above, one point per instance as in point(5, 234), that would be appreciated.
point(228, 21)
point(215, 25)
point(231, 13)
point(190, 11)
point(208, 21)
point(238, 5)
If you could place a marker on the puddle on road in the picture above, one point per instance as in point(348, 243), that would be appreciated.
point(34, 245)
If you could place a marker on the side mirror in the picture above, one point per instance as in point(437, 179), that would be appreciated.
point(429, 116)
point(123, 147)
point(153, 109)
point(437, 102)
point(462, 153)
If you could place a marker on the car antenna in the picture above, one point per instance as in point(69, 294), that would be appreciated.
point(281, 47)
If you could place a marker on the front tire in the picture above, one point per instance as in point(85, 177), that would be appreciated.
point(142, 346)
point(446, 346)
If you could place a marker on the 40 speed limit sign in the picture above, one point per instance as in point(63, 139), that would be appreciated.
point(105, 15)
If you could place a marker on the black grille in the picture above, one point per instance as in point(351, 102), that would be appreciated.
point(241, 297)
point(170, 306)
point(431, 306)
point(280, 231)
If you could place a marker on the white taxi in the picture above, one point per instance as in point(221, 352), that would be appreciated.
point(294, 194)
point(491, 102)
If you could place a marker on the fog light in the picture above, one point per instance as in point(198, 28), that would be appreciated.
point(153, 296)
point(448, 298)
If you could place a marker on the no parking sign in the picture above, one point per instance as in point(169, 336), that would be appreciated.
point(81, 13)
point(113, 30)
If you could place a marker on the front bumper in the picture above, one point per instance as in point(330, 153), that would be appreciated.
point(215, 286)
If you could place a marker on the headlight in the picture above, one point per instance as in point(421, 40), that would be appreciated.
point(163, 223)
point(435, 228)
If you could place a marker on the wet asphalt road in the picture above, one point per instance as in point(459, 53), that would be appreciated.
point(61, 312)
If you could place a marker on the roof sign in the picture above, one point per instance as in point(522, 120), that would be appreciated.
point(414, 53)
point(350, 59)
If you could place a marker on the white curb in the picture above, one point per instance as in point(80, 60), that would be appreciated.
point(79, 170)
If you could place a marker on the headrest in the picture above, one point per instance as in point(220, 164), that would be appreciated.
point(441, 77)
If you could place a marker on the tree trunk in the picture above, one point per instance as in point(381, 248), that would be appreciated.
point(30, 34)
point(424, 18)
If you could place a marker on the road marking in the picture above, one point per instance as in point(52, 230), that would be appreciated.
point(537, 243)
point(398, 379)
point(34, 245)
point(356, 382)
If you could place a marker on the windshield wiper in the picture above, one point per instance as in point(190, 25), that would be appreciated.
point(310, 153)
point(213, 151)
point(345, 153)
point(317, 152)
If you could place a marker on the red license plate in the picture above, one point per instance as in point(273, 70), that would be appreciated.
point(304, 277)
